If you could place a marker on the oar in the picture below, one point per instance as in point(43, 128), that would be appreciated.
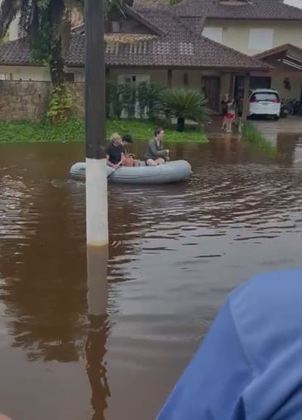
point(114, 170)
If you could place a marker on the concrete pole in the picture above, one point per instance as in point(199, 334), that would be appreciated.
point(96, 173)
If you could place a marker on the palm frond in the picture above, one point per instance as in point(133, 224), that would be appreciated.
point(187, 104)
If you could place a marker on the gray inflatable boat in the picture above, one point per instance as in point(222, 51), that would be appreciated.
point(170, 172)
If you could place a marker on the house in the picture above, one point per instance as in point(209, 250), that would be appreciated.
point(254, 27)
point(13, 32)
point(146, 44)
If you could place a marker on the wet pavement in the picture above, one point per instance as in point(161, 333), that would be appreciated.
point(288, 125)
point(72, 350)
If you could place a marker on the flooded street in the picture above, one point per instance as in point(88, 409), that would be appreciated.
point(176, 251)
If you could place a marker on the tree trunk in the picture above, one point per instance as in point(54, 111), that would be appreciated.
point(56, 64)
point(180, 126)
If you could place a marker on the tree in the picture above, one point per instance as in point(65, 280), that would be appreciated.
point(47, 25)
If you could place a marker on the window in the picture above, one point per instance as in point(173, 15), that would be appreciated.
point(213, 32)
point(133, 78)
point(115, 26)
point(261, 39)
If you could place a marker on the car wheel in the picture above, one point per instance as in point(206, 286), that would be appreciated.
point(276, 117)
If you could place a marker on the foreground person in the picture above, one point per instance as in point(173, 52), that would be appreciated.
point(155, 153)
point(249, 367)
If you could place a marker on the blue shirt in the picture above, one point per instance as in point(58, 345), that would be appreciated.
point(250, 364)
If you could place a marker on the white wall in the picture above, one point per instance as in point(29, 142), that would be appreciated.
point(252, 37)
point(34, 73)
point(295, 3)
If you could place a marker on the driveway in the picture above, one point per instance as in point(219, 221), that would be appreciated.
point(292, 126)
point(284, 125)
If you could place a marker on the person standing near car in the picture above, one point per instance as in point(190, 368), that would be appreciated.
point(230, 115)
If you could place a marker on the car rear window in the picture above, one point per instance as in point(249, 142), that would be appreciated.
point(265, 96)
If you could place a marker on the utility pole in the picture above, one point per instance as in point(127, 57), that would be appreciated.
point(95, 119)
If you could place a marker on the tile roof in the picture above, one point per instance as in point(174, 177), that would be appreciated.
point(281, 49)
point(247, 9)
point(15, 52)
point(286, 54)
point(178, 46)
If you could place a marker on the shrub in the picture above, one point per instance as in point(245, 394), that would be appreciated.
point(185, 104)
point(114, 104)
point(148, 97)
point(60, 104)
point(256, 139)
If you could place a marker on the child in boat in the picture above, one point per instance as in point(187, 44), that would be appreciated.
point(129, 158)
point(155, 153)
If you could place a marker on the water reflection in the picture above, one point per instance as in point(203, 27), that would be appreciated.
point(99, 326)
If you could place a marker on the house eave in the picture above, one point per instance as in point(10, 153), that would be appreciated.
point(15, 64)
point(182, 67)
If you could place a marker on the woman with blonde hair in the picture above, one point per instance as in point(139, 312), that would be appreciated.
point(115, 151)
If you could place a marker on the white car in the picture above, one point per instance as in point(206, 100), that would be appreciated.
point(265, 102)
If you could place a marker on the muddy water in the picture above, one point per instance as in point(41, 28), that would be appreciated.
point(177, 251)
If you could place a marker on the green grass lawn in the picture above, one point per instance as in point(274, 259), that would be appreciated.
point(73, 131)
point(257, 140)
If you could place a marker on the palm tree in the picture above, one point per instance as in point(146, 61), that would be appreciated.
point(185, 104)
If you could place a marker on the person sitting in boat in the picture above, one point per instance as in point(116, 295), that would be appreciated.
point(115, 151)
point(249, 365)
point(129, 158)
point(155, 153)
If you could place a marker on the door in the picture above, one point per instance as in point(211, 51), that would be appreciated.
point(211, 88)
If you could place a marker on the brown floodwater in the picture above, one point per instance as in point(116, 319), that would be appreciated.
point(176, 251)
